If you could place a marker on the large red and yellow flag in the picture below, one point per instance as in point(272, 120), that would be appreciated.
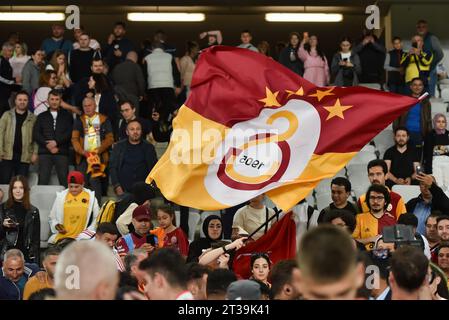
point(252, 126)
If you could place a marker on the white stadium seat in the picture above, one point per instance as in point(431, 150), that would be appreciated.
point(194, 218)
point(407, 192)
point(42, 197)
point(5, 189)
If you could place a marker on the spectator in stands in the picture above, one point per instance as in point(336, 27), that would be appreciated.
point(17, 149)
point(340, 193)
point(371, 223)
point(129, 113)
point(443, 257)
point(214, 38)
point(15, 275)
point(133, 276)
point(52, 134)
point(117, 46)
point(382, 291)
point(197, 280)
point(80, 59)
point(282, 274)
point(345, 66)
point(161, 37)
point(107, 233)
point(7, 81)
point(77, 34)
point(263, 47)
point(436, 151)
point(141, 236)
point(166, 276)
point(91, 139)
point(74, 210)
point(174, 237)
point(260, 267)
point(19, 222)
point(218, 282)
point(417, 119)
point(187, 65)
point(31, 72)
point(250, 217)
point(164, 82)
point(95, 263)
point(431, 233)
point(213, 232)
point(58, 63)
point(35, 284)
point(377, 172)
point(289, 55)
point(141, 194)
point(432, 199)
point(161, 128)
point(372, 56)
point(18, 60)
point(443, 227)
point(47, 82)
point(244, 290)
point(328, 267)
point(316, 68)
point(129, 80)
point(408, 273)
point(131, 159)
point(432, 44)
point(246, 37)
point(417, 61)
point(346, 220)
point(395, 73)
point(57, 41)
point(401, 159)
point(221, 255)
point(409, 219)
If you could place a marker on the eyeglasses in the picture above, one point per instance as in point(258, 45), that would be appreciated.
point(376, 198)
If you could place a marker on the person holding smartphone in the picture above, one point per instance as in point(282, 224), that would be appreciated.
point(345, 66)
point(20, 222)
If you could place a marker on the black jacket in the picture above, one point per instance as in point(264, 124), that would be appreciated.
point(118, 153)
point(440, 202)
point(31, 232)
point(297, 65)
point(430, 141)
point(43, 131)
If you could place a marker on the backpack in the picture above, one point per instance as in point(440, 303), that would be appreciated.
point(111, 210)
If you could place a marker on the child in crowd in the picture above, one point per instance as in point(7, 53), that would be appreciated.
point(174, 237)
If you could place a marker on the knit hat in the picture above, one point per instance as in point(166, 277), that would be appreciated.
point(142, 192)
point(243, 290)
point(75, 177)
point(142, 213)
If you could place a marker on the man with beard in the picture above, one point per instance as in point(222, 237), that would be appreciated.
point(139, 160)
point(432, 232)
point(370, 224)
point(45, 280)
point(377, 172)
point(401, 160)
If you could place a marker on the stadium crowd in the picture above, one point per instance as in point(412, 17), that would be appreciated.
point(94, 118)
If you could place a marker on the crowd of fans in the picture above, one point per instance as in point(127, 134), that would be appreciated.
point(101, 108)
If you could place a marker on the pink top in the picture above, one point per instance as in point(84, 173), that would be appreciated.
point(316, 70)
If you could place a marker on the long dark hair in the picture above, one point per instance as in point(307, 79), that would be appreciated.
point(26, 192)
point(307, 47)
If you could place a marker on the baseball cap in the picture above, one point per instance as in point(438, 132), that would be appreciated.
point(243, 290)
point(142, 213)
point(75, 177)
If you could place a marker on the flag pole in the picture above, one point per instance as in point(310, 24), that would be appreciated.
point(276, 215)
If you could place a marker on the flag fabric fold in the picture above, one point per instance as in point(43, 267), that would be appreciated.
point(252, 126)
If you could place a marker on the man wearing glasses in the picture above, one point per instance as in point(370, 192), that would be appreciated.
point(370, 224)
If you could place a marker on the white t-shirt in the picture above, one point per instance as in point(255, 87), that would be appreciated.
point(248, 219)
point(346, 55)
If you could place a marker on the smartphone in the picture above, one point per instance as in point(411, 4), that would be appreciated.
point(13, 220)
point(415, 45)
point(151, 239)
point(419, 169)
point(345, 59)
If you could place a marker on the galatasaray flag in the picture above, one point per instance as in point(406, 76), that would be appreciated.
point(252, 126)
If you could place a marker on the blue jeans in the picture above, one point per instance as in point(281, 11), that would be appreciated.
point(432, 81)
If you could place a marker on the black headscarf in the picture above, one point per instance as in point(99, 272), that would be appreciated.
point(196, 247)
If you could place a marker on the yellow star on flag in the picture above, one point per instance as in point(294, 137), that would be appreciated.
point(271, 99)
point(320, 94)
point(299, 92)
point(336, 110)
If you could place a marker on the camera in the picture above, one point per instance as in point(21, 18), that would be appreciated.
point(401, 235)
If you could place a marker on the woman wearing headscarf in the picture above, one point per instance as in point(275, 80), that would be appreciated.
point(213, 231)
point(436, 151)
